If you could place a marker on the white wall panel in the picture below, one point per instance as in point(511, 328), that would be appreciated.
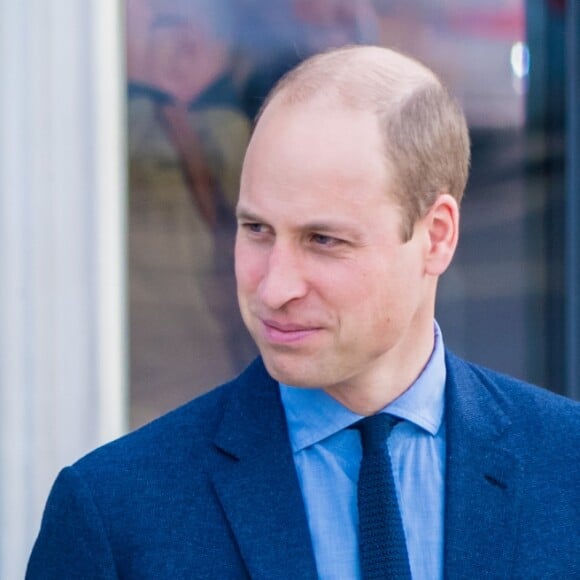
point(62, 249)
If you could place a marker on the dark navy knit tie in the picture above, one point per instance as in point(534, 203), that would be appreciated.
point(383, 551)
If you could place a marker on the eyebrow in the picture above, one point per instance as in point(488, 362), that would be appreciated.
point(244, 214)
point(325, 227)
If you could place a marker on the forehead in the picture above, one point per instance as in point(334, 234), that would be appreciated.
point(320, 139)
point(315, 160)
point(321, 113)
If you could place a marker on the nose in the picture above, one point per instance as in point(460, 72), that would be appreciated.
point(284, 278)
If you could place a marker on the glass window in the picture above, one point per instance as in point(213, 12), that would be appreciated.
point(197, 73)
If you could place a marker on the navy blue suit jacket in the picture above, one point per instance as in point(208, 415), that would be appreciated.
point(210, 490)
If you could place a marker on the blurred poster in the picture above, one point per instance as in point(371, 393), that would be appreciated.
point(198, 71)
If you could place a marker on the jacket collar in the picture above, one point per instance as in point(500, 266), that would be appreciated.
point(483, 477)
point(257, 482)
point(258, 488)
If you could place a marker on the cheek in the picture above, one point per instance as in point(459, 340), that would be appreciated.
point(383, 295)
point(358, 295)
point(249, 267)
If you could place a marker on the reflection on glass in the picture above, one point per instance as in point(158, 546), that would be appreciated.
point(198, 71)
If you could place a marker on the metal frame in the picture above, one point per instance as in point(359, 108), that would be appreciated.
point(572, 223)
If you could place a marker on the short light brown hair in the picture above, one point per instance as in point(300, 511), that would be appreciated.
point(424, 130)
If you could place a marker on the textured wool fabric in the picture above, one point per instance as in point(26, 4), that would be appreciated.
point(383, 550)
point(211, 491)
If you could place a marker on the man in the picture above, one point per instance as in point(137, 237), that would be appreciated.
point(347, 215)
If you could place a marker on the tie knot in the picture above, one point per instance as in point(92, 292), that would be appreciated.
point(375, 431)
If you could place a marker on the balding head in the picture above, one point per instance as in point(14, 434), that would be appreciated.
point(424, 131)
point(358, 76)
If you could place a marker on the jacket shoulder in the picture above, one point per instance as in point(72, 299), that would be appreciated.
point(536, 410)
point(163, 444)
point(143, 505)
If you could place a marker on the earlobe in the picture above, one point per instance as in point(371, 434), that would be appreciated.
point(443, 229)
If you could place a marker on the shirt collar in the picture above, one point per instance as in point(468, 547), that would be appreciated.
point(313, 415)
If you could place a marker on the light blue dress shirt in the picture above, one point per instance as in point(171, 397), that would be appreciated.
point(327, 456)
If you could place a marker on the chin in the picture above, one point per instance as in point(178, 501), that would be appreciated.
point(293, 373)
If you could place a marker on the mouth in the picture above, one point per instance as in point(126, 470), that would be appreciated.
point(283, 333)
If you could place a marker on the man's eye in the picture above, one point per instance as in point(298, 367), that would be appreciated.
point(254, 228)
point(322, 240)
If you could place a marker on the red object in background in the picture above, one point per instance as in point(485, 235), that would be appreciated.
point(497, 24)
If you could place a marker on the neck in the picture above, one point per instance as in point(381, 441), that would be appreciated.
point(396, 371)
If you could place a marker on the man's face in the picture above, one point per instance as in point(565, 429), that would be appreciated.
point(328, 290)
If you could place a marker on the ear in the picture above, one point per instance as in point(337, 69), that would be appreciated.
point(442, 226)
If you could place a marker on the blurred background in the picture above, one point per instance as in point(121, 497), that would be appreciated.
point(123, 129)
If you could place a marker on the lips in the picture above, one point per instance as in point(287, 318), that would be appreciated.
point(286, 327)
point(286, 333)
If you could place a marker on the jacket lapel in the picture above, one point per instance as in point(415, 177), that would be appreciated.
point(483, 479)
point(256, 482)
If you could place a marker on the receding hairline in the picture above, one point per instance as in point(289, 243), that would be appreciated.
point(424, 133)
point(350, 75)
